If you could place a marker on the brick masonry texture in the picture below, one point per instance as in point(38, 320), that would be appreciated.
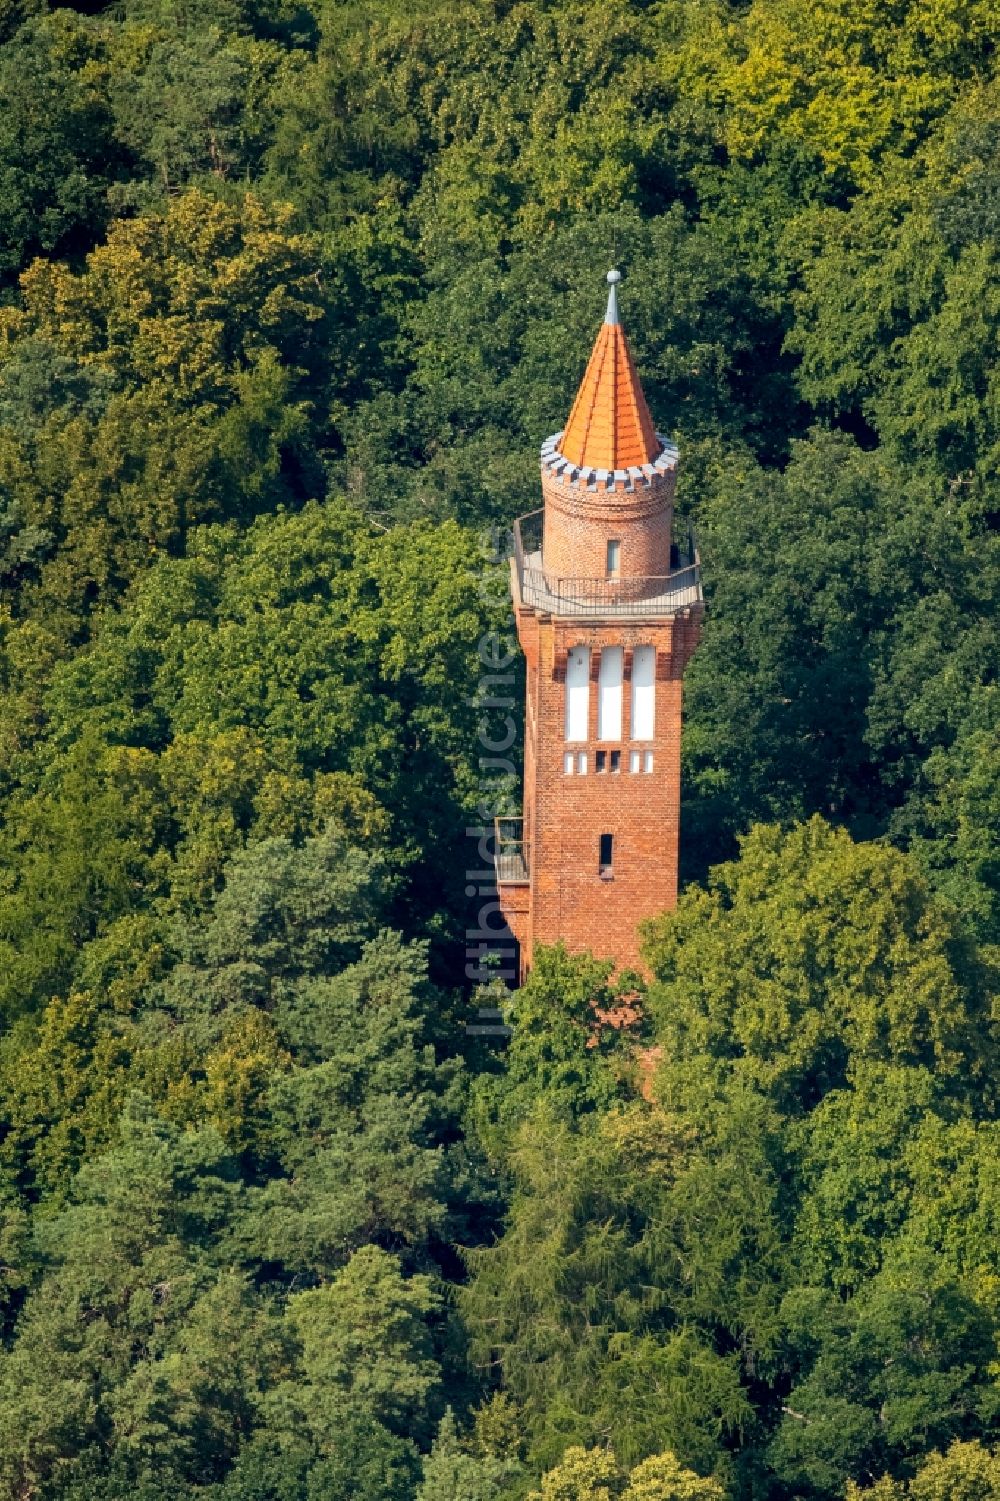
point(579, 524)
point(565, 815)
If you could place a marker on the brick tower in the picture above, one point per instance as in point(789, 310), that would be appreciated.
point(608, 611)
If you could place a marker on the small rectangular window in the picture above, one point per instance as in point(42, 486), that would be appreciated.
point(614, 558)
point(616, 760)
point(568, 760)
point(648, 759)
point(606, 856)
point(600, 760)
point(634, 761)
point(581, 763)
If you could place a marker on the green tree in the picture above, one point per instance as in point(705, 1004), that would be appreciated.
point(582, 1474)
point(952, 826)
point(362, 1134)
point(180, 101)
point(363, 1383)
point(809, 956)
point(776, 697)
point(452, 1472)
point(661, 1478)
point(565, 1047)
point(350, 655)
point(580, 1477)
point(366, 1346)
point(628, 1248)
point(857, 1165)
point(901, 1368)
point(133, 1347)
point(899, 299)
point(967, 1472)
point(841, 85)
point(81, 850)
point(202, 319)
point(56, 162)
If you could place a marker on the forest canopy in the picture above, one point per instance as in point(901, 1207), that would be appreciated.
point(290, 293)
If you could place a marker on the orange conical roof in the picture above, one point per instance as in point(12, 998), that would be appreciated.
point(609, 426)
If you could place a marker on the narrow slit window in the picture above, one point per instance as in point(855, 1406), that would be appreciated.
point(635, 761)
point(600, 760)
point(648, 761)
point(616, 760)
point(581, 763)
point(614, 558)
point(568, 759)
point(606, 856)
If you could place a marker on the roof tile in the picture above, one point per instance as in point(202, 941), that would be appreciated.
point(609, 426)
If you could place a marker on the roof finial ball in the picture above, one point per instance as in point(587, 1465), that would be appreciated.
point(614, 277)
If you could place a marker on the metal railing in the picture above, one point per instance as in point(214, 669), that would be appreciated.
point(528, 537)
point(651, 594)
point(511, 850)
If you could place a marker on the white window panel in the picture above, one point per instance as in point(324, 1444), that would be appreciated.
point(577, 693)
point(609, 694)
point(644, 693)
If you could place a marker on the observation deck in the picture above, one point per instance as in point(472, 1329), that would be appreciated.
point(635, 597)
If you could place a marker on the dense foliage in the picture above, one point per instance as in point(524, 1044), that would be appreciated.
point(290, 291)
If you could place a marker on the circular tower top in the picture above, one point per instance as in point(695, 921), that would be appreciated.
point(608, 477)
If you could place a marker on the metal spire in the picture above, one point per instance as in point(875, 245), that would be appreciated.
point(609, 426)
point(611, 316)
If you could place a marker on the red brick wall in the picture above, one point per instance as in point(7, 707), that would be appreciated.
point(566, 815)
point(579, 523)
